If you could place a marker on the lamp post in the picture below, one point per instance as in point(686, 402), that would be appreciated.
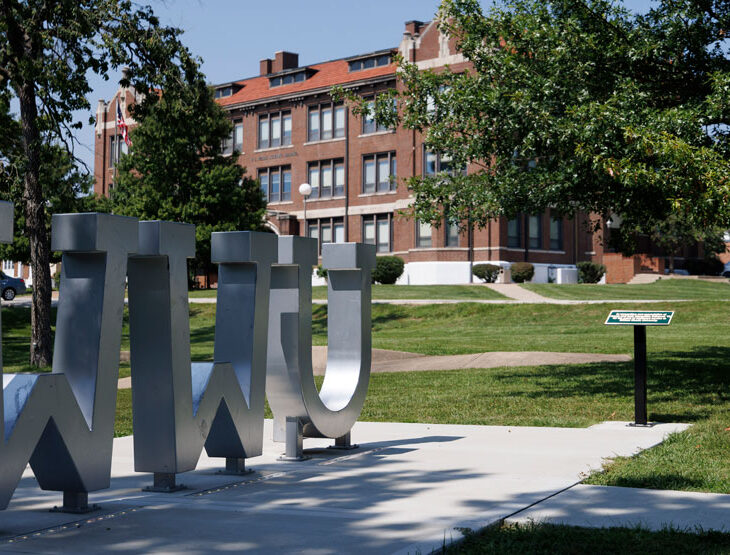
point(305, 189)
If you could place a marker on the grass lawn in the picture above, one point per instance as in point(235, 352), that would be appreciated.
point(693, 289)
point(689, 377)
point(457, 292)
point(546, 538)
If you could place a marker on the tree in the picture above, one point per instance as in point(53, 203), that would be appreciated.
point(578, 106)
point(176, 171)
point(64, 187)
point(47, 49)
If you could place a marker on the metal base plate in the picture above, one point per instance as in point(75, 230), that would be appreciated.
point(647, 425)
point(165, 489)
point(76, 510)
point(235, 472)
point(284, 458)
point(343, 447)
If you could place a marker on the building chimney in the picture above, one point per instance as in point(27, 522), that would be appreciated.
point(413, 27)
point(265, 66)
point(285, 60)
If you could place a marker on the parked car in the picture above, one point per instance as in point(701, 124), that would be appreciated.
point(726, 271)
point(11, 286)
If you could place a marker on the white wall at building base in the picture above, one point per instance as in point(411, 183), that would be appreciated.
point(457, 273)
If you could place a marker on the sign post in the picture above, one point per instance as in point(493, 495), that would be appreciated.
point(639, 319)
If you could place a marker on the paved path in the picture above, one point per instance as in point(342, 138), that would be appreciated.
point(603, 507)
point(516, 292)
point(405, 490)
point(399, 361)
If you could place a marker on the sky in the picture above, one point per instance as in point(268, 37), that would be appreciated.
point(232, 36)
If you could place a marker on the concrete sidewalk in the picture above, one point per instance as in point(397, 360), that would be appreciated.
point(399, 361)
point(405, 490)
point(604, 507)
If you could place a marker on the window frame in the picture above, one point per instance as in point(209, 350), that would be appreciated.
point(280, 172)
point(437, 164)
point(333, 164)
point(281, 116)
point(515, 241)
point(319, 224)
point(380, 60)
point(117, 147)
point(538, 238)
point(369, 125)
point(333, 132)
point(448, 227)
point(556, 243)
point(423, 241)
point(374, 219)
point(392, 168)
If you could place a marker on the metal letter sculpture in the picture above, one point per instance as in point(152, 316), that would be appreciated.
point(178, 408)
point(63, 422)
point(299, 409)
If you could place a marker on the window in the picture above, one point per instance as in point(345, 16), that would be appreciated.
point(556, 234)
point(326, 121)
point(276, 183)
point(514, 232)
point(223, 92)
point(369, 125)
point(451, 232)
point(235, 141)
point(326, 230)
point(327, 178)
point(379, 173)
point(376, 230)
point(535, 231)
point(275, 129)
point(434, 163)
point(117, 147)
point(8, 265)
point(423, 235)
point(287, 79)
point(369, 63)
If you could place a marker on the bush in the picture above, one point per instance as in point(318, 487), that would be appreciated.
point(321, 272)
point(704, 266)
point(486, 272)
point(590, 272)
point(522, 271)
point(388, 269)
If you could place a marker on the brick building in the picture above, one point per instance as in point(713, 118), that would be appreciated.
point(287, 131)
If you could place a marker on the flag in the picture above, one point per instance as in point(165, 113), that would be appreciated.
point(123, 126)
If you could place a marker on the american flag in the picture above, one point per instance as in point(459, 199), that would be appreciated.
point(123, 126)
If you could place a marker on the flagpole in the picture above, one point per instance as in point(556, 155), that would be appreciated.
point(116, 140)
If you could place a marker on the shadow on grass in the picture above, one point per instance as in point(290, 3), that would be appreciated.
point(700, 376)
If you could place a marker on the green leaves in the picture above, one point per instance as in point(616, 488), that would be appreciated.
point(175, 170)
point(577, 106)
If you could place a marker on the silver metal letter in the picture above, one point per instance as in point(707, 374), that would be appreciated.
point(299, 409)
point(63, 422)
point(178, 408)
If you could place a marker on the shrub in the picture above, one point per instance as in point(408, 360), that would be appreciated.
point(590, 272)
point(57, 279)
point(486, 272)
point(321, 272)
point(522, 271)
point(388, 269)
point(704, 266)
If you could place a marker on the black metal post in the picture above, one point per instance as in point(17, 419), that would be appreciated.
point(640, 413)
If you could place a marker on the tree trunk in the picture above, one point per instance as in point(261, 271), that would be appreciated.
point(35, 228)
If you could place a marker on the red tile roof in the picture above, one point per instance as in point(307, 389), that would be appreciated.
point(326, 75)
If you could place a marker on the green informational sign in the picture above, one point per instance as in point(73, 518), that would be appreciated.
point(640, 317)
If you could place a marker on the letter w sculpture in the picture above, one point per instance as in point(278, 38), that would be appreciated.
point(63, 422)
point(180, 408)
